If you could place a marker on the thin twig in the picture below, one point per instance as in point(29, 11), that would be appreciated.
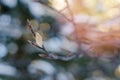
point(57, 57)
point(70, 11)
point(62, 9)
point(54, 56)
point(30, 27)
point(47, 54)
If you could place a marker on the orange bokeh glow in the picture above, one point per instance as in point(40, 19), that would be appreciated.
point(99, 28)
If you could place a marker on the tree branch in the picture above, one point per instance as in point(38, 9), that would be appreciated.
point(55, 56)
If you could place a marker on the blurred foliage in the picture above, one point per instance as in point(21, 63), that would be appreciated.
point(25, 59)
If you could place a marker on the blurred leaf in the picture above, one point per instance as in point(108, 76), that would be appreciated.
point(44, 27)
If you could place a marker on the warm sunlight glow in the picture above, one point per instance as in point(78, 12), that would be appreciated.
point(101, 9)
point(103, 28)
point(58, 4)
point(97, 24)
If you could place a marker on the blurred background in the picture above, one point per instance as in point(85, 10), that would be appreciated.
point(20, 61)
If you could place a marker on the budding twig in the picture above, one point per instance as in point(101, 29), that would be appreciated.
point(48, 55)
